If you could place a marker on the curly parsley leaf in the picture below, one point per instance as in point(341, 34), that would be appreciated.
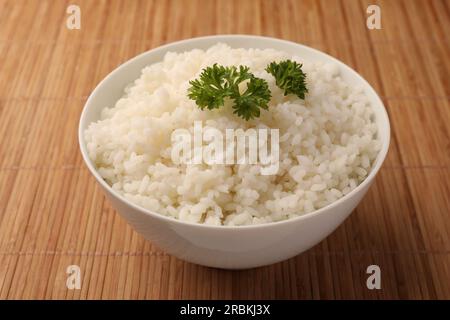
point(289, 77)
point(217, 82)
point(248, 104)
point(210, 90)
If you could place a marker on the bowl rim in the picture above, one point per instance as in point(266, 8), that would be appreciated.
point(223, 37)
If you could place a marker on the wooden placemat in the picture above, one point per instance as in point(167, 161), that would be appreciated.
point(53, 214)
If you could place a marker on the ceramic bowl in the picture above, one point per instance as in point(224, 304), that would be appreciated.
point(224, 246)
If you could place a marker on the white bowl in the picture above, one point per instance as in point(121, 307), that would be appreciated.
point(224, 246)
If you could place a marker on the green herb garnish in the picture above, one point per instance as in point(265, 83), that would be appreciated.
point(218, 82)
point(289, 77)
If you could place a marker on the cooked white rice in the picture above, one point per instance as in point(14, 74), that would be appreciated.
point(327, 143)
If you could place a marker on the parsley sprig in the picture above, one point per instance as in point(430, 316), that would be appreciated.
point(289, 77)
point(218, 82)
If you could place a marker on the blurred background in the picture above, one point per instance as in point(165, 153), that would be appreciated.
point(53, 214)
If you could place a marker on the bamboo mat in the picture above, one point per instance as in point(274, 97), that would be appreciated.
point(53, 214)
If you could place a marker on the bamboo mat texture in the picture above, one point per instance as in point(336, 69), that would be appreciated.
point(53, 214)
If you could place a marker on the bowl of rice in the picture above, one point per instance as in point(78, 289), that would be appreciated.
point(330, 145)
